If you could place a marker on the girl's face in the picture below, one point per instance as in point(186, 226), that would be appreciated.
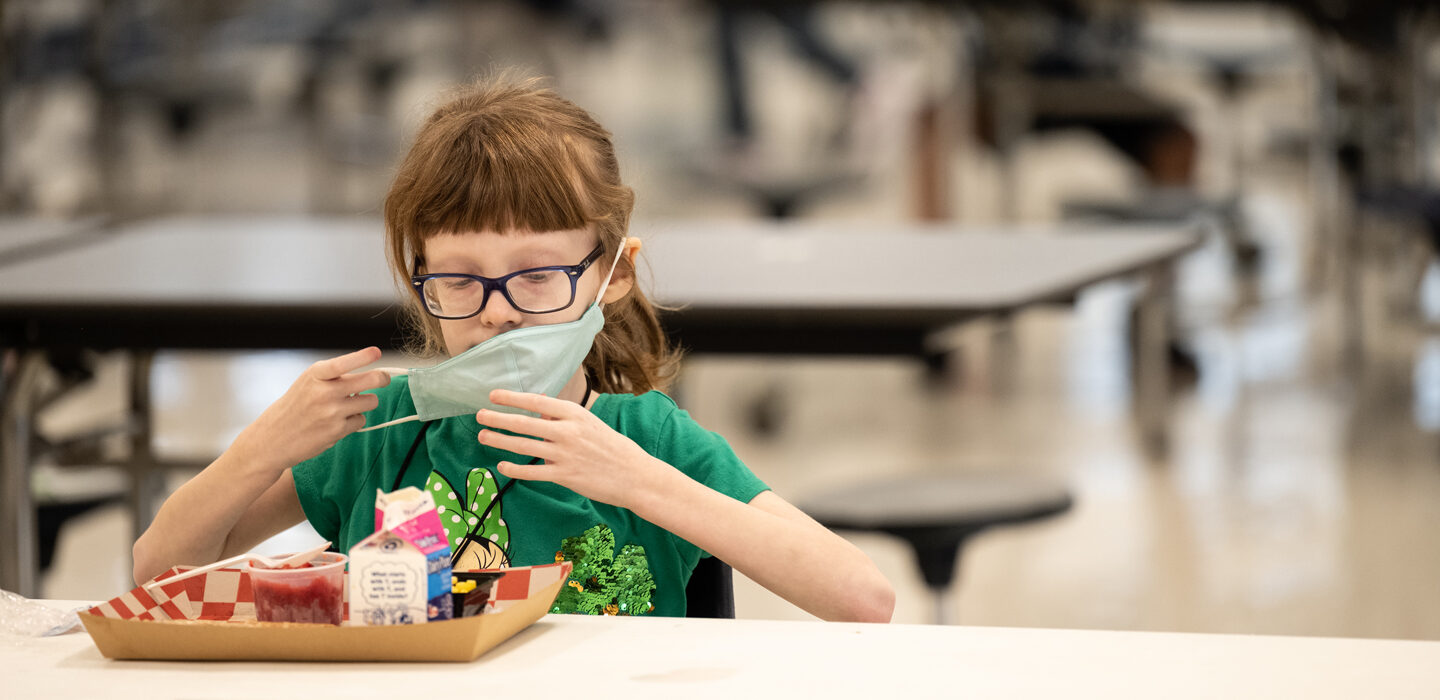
point(493, 254)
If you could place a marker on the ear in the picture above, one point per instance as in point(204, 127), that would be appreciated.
point(624, 279)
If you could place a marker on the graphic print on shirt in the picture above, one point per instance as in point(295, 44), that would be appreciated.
point(603, 582)
point(477, 517)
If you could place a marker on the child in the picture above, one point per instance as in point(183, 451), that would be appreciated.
point(508, 220)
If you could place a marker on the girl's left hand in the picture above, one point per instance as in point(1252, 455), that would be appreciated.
point(581, 452)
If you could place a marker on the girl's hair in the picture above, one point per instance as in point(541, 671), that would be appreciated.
point(512, 155)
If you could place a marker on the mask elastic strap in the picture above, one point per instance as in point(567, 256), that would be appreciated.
point(389, 423)
point(613, 263)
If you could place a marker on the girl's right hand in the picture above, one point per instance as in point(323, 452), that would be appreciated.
point(322, 406)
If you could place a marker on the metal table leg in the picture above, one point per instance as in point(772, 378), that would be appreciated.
point(1152, 359)
point(146, 477)
point(19, 547)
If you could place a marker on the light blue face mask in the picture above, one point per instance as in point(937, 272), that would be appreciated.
point(533, 359)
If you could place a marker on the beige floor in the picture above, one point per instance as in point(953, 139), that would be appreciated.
point(1303, 493)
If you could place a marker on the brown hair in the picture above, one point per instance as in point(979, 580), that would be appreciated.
point(512, 155)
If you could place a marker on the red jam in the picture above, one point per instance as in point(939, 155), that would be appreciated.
point(316, 600)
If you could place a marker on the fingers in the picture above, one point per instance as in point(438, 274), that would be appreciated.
point(535, 403)
point(337, 366)
point(519, 445)
point(523, 472)
point(516, 423)
point(354, 423)
point(362, 403)
point(365, 381)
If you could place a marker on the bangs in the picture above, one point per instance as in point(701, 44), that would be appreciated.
point(502, 156)
point(489, 175)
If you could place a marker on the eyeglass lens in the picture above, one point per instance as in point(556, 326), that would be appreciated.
point(536, 291)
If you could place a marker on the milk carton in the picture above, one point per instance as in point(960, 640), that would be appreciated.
point(400, 575)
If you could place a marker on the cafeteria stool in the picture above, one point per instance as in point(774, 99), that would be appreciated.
point(937, 515)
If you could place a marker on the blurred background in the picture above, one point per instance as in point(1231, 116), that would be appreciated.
point(1301, 491)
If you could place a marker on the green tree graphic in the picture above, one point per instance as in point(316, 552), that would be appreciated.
point(602, 582)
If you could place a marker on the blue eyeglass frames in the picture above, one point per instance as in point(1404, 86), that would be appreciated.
point(537, 290)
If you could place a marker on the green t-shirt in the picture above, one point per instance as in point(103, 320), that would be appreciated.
point(623, 564)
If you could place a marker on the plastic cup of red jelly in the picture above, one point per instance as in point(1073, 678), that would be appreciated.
point(312, 592)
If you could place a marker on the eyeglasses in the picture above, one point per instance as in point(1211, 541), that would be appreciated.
point(538, 290)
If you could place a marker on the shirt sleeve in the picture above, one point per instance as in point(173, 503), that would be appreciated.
point(321, 508)
point(706, 457)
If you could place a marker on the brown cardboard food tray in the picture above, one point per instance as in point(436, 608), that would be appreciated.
point(236, 639)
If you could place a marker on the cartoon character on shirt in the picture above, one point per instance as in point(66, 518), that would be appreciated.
point(474, 526)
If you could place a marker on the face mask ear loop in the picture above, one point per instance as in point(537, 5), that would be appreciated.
point(608, 275)
point(387, 424)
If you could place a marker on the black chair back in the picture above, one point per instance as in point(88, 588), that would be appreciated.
point(711, 591)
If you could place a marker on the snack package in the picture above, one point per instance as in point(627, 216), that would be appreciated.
point(400, 575)
point(473, 590)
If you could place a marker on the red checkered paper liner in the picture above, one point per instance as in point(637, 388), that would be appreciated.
point(224, 594)
point(522, 582)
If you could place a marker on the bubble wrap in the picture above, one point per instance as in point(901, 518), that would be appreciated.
point(26, 618)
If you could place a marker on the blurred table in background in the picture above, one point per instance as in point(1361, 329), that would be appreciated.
point(27, 238)
point(811, 287)
point(243, 283)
